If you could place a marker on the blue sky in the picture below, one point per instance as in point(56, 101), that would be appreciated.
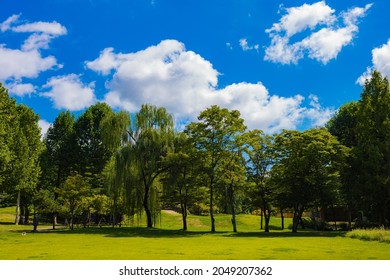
point(283, 64)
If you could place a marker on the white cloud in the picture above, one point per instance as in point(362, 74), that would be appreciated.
point(280, 51)
point(300, 18)
point(326, 44)
point(107, 61)
point(20, 89)
point(28, 61)
point(380, 62)
point(6, 25)
point(16, 64)
point(245, 47)
point(44, 125)
point(51, 28)
point(182, 81)
point(68, 92)
point(328, 36)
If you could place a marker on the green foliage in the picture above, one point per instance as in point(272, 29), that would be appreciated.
point(307, 170)
point(92, 154)
point(260, 156)
point(215, 138)
point(19, 153)
point(72, 196)
point(59, 158)
point(372, 149)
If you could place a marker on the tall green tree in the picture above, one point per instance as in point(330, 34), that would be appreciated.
point(91, 150)
point(151, 135)
point(118, 169)
point(20, 148)
point(373, 148)
point(139, 162)
point(59, 159)
point(343, 125)
point(260, 158)
point(25, 164)
point(307, 169)
point(232, 180)
point(8, 127)
point(180, 180)
point(213, 136)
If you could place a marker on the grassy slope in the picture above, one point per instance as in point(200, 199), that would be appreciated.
point(168, 242)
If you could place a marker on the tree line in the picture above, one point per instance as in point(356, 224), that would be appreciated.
point(105, 165)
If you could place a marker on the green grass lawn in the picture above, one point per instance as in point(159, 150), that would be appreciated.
point(168, 242)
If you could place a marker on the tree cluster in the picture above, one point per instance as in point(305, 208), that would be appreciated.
point(105, 165)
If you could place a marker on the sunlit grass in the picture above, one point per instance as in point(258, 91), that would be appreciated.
point(169, 242)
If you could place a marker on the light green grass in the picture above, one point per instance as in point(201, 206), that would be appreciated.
point(380, 235)
point(170, 243)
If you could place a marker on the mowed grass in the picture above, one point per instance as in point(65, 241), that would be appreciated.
point(168, 242)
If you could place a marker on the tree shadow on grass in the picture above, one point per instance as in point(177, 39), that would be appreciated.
point(168, 233)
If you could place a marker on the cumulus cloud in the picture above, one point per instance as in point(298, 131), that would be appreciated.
point(20, 89)
point(28, 61)
point(185, 83)
point(328, 33)
point(300, 18)
point(380, 62)
point(17, 64)
point(68, 92)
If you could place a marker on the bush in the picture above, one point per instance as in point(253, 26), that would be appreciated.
point(381, 235)
point(316, 224)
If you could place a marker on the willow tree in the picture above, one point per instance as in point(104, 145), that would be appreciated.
point(139, 159)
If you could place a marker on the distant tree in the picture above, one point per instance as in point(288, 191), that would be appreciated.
point(213, 136)
point(307, 169)
point(72, 193)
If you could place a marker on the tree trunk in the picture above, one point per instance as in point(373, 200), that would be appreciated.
point(211, 207)
point(282, 217)
point(297, 218)
point(267, 216)
point(183, 207)
point(17, 216)
point(261, 218)
point(54, 220)
point(230, 196)
point(149, 220)
point(35, 222)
